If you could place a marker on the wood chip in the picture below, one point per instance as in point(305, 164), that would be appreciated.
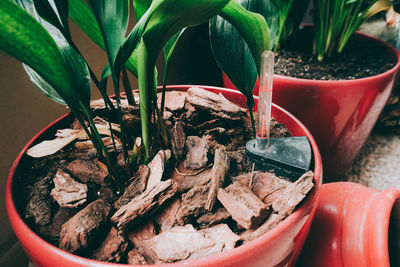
point(142, 232)
point(285, 203)
point(223, 237)
point(270, 223)
point(135, 188)
point(193, 204)
point(186, 179)
point(79, 231)
point(157, 166)
point(178, 140)
point(88, 170)
point(112, 248)
point(67, 192)
point(243, 205)
point(217, 105)
point(166, 217)
point(197, 149)
point(52, 231)
point(212, 218)
point(40, 202)
point(185, 242)
point(143, 205)
point(174, 100)
point(219, 172)
point(267, 186)
point(134, 257)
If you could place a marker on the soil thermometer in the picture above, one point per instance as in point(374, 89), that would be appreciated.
point(290, 157)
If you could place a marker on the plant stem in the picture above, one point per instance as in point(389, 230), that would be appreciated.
point(253, 123)
point(127, 87)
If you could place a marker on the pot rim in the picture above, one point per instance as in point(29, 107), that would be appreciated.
point(215, 259)
point(384, 75)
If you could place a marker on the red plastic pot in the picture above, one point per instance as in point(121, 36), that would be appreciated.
point(354, 226)
point(281, 246)
point(339, 114)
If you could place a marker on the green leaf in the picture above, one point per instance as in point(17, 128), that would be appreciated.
point(251, 26)
point(112, 18)
point(168, 51)
point(43, 86)
point(81, 14)
point(228, 43)
point(76, 65)
point(140, 7)
point(46, 11)
point(24, 38)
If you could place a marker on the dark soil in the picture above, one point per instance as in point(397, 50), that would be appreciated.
point(360, 59)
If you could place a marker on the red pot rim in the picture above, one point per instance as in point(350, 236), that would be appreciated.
point(364, 36)
point(219, 258)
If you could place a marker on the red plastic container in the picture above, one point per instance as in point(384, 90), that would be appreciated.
point(339, 114)
point(279, 247)
point(354, 226)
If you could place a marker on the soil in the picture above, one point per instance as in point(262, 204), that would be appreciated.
point(360, 59)
point(189, 202)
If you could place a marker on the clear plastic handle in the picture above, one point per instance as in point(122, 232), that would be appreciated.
point(265, 100)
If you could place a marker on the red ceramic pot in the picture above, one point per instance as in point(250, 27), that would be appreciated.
point(281, 246)
point(339, 114)
point(354, 226)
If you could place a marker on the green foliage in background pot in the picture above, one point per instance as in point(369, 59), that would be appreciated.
point(37, 33)
point(336, 21)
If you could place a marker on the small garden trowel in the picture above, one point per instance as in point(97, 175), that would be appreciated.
point(290, 157)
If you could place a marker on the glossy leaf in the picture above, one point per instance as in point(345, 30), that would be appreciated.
point(46, 11)
point(81, 14)
point(140, 7)
point(23, 37)
point(76, 65)
point(168, 51)
point(112, 18)
point(228, 42)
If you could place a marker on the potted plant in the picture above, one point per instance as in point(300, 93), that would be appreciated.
point(37, 33)
point(340, 112)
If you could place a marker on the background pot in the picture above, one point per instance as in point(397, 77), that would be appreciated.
point(354, 226)
point(278, 247)
point(339, 114)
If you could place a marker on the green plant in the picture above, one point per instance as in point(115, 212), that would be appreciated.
point(290, 14)
point(336, 20)
point(37, 33)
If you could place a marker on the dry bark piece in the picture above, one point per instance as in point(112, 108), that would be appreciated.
point(197, 150)
point(52, 231)
point(193, 204)
point(215, 104)
point(40, 202)
point(285, 203)
point(143, 205)
point(67, 192)
point(79, 231)
point(166, 217)
point(219, 172)
point(213, 218)
point(270, 223)
point(143, 232)
point(185, 242)
point(174, 100)
point(137, 186)
point(186, 179)
point(157, 166)
point(223, 236)
point(243, 205)
point(178, 140)
point(112, 248)
point(88, 170)
point(265, 185)
point(134, 257)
